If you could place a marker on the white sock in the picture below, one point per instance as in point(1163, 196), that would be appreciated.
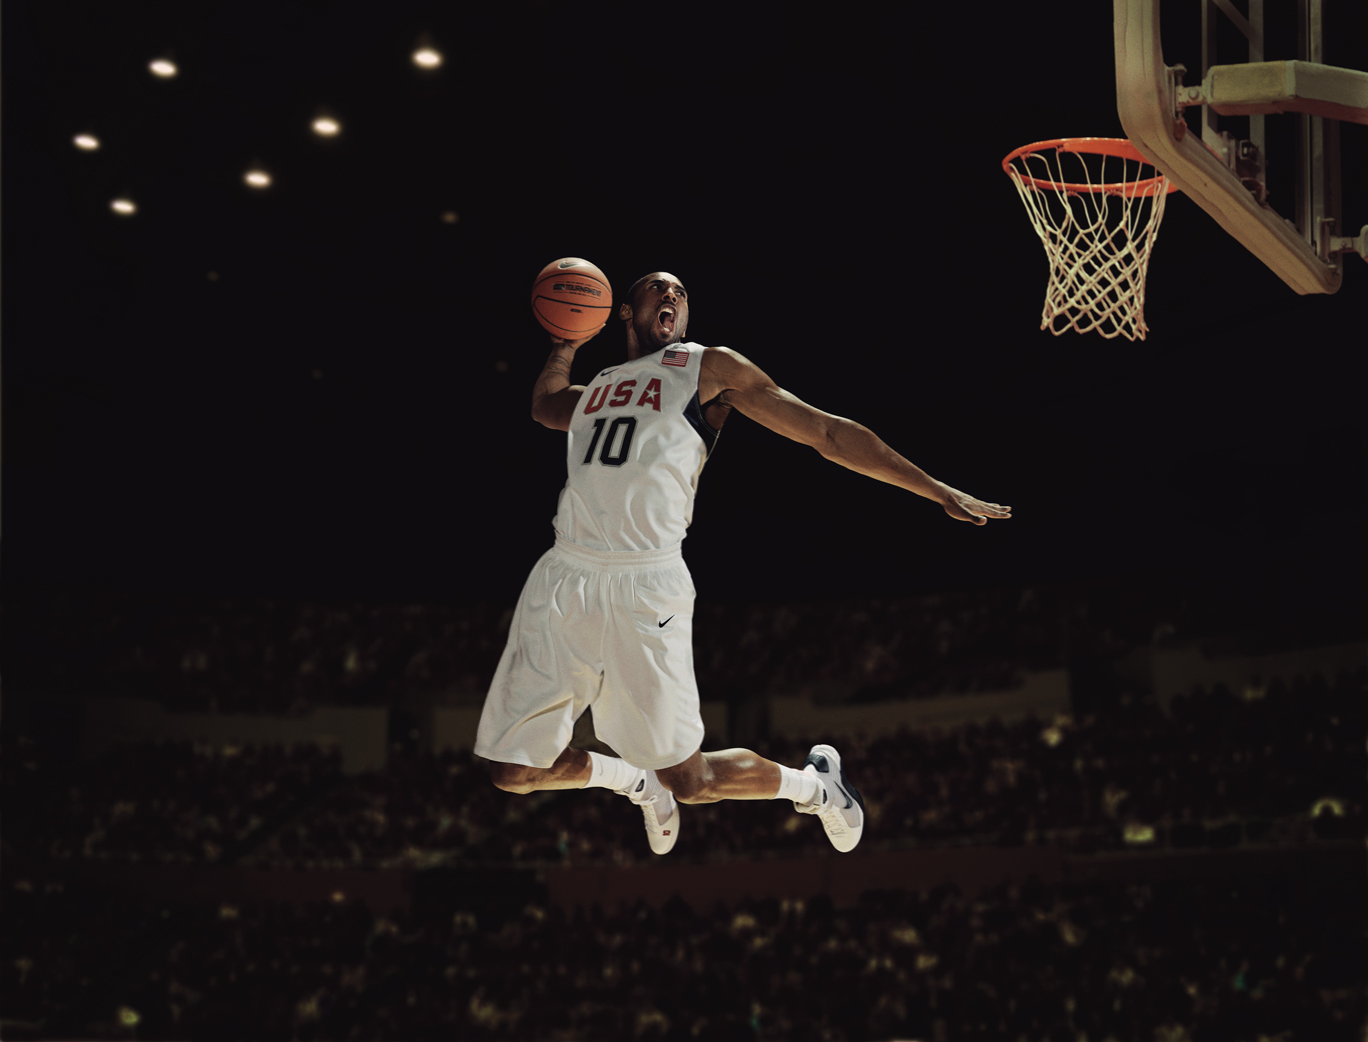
point(796, 785)
point(609, 772)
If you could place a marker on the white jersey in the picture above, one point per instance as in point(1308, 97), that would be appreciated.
point(637, 443)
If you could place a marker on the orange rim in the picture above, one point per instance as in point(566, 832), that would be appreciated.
point(1117, 147)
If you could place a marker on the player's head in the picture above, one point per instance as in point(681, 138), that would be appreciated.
point(656, 311)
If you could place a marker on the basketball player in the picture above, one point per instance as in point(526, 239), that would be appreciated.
point(605, 619)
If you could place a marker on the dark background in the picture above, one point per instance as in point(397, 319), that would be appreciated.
point(341, 409)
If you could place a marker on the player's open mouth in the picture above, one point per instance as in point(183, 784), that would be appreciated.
point(667, 319)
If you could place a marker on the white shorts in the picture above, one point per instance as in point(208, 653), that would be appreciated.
point(608, 630)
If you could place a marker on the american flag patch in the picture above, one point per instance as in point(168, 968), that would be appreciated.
point(680, 358)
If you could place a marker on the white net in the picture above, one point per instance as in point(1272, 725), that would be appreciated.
point(1097, 216)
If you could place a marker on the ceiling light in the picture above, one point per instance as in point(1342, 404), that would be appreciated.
point(427, 58)
point(258, 178)
point(326, 126)
point(86, 142)
point(163, 68)
point(123, 206)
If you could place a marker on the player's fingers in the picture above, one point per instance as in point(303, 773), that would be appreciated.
point(979, 512)
point(978, 506)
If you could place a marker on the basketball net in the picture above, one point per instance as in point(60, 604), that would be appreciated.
point(1097, 233)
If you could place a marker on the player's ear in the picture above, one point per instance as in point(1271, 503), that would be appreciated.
point(625, 312)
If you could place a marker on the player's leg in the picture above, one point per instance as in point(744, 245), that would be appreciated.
point(729, 774)
point(542, 685)
point(822, 787)
point(573, 769)
point(570, 771)
point(647, 708)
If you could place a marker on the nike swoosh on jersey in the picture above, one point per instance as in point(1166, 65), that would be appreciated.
point(662, 624)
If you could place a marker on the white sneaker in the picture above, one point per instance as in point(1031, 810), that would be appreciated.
point(838, 803)
point(661, 811)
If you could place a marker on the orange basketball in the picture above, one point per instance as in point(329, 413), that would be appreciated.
point(571, 298)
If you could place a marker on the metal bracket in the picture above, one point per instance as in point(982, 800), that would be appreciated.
point(1347, 244)
point(1242, 157)
point(1176, 91)
point(1247, 164)
point(1189, 96)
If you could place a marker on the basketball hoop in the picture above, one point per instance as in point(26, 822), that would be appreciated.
point(1097, 233)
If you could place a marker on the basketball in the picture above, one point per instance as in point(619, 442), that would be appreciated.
point(571, 298)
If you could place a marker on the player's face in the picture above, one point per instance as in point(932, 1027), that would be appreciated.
point(660, 312)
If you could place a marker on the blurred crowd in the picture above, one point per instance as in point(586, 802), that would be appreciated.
point(1281, 763)
point(249, 654)
point(276, 656)
point(154, 801)
point(1278, 764)
point(1279, 958)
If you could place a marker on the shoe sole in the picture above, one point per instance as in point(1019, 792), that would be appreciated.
point(843, 786)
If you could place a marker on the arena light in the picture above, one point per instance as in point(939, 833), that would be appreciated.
point(123, 206)
point(163, 67)
point(257, 178)
point(1137, 833)
point(326, 126)
point(86, 142)
point(450, 217)
point(427, 58)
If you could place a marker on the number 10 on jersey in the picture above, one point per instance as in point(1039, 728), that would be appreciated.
point(609, 458)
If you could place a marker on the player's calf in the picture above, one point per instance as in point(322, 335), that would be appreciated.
point(689, 781)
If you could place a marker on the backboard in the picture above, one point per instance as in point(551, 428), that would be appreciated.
point(1304, 244)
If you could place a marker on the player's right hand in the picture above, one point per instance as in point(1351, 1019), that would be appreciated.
point(575, 345)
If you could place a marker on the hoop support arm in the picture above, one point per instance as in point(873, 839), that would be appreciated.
point(1265, 88)
point(1146, 100)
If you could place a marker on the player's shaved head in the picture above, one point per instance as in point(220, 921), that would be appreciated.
point(632, 293)
point(644, 280)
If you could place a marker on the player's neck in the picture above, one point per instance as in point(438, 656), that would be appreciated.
point(636, 350)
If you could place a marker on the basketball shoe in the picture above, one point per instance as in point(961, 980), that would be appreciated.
point(838, 804)
point(661, 811)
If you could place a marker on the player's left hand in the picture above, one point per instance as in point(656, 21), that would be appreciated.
point(964, 507)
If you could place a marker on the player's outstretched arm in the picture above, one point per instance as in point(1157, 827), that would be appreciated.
point(554, 397)
point(741, 384)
